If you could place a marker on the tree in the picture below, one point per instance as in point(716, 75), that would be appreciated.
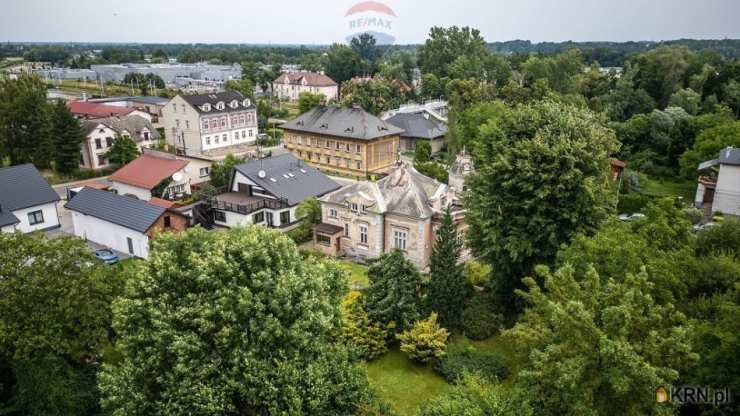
point(374, 95)
point(342, 63)
point(54, 322)
point(364, 46)
point(221, 171)
point(473, 396)
point(312, 62)
point(124, 150)
point(445, 45)
point(366, 337)
point(708, 145)
point(243, 86)
point(425, 341)
point(446, 293)
point(598, 346)
point(245, 331)
point(25, 125)
point(68, 137)
point(423, 152)
point(541, 177)
point(394, 295)
point(307, 101)
point(687, 99)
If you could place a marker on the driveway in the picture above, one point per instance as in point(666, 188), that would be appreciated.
point(61, 189)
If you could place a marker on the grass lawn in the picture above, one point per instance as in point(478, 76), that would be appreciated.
point(664, 187)
point(403, 383)
point(358, 273)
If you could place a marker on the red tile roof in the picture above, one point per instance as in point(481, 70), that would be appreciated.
point(147, 171)
point(86, 108)
point(617, 163)
point(313, 79)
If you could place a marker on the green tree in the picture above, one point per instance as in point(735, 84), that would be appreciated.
point(364, 46)
point(394, 295)
point(54, 323)
point(342, 63)
point(542, 176)
point(732, 96)
point(366, 337)
point(445, 45)
point(707, 146)
point(447, 289)
point(124, 150)
point(425, 341)
point(244, 331)
point(473, 396)
point(423, 152)
point(308, 100)
point(244, 87)
point(598, 347)
point(374, 95)
point(25, 125)
point(687, 99)
point(221, 171)
point(68, 137)
point(312, 62)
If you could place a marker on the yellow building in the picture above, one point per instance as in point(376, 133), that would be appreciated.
point(348, 141)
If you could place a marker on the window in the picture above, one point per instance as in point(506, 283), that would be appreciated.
point(332, 213)
point(359, 165)
point(183, 107)
point(177, 122)
point(353, 207)
point(219, 216)
point(146, 136)
point(399, 239)
point(328, 144)
point(363, 234)
point(205, 124)
point(225, 138)
point(346, 229)
point(358, 149)
point(205, 171)
point(187, 124)
point(130, 244)
point(347, 162)
point(223, 122)
point(236, 135)
point(102, 161)
point(347, 147)
point(285, 217)
point(363, 209)
point(98, 144)
point(337, 145)
point(217, 139)
point(109, 141)
point(250, 132)
point(244, 134)
point(208, 140)
point(167, 221)
point(35, 217)
point(258, 218)
point(323, 240)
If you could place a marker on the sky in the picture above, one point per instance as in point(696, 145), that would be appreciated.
point(324, 21)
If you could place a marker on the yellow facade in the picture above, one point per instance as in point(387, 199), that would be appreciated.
point(343, 155)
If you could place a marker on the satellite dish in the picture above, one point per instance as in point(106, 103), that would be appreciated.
point(262, 174)
point(177, 177)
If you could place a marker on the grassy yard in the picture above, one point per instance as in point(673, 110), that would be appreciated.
point(406, 385)
point(358, 273)
point(663, 187)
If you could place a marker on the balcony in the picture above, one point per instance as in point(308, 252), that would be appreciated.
point(244, 204)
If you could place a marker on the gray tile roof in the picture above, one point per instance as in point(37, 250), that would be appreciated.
point(353, 123)
point(21, 187)
point(226, 97)
point(133, 124)
point(302, 181)
point(416, 125)
point(125, 211)
point(729, 156)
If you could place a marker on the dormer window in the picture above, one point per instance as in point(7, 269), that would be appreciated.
point(220, 105)
point(234, 104)
point(206, 107)
point(246, 103)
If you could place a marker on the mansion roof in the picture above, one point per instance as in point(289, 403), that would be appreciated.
point(311, 79)
point(349, 122)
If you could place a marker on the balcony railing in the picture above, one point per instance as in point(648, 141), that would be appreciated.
point(249, 208)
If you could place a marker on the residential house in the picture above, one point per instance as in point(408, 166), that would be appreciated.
point(198, 170)
point(148, 104)
point(210, 124)
point(420, 126)
point(27, 202)
point(268, 191)
point(718, 190)
point(120, 222)
point(401, 211)
point(101, 132)
point(348, 141)
point(87, 109)
point(290, 85)
point(143, 177)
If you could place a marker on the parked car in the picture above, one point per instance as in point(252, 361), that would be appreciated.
point(107, 256)
point(699, 227)
point(630, 217)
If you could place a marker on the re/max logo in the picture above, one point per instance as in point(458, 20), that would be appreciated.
point(693, 395)
point(369, 21)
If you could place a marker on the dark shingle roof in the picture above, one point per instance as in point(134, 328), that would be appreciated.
point(353, 123)
point(21, 187)
point(302, 181)
point(729, 156)
point(418, 126)
point(125, 211)
point(226, 97)
point(132, 123)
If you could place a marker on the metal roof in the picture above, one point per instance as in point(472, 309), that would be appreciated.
point(353, 123)
point(417, 125)
point(729, 156)
point(125, 211)
point(287, 177)
point(22, 186)
point(226, 97)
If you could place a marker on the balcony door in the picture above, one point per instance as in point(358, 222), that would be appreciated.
point(270, 219)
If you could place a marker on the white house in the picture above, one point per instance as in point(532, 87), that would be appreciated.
point(101, 132)
point(290, 85)
point(720, 190)
point(207, 123)
point(27, 202)
point(141, 177)
point(122, 223)
point(268, 191)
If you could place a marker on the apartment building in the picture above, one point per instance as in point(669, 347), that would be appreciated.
point(290, 85)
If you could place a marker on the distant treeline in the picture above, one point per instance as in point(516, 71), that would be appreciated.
point(79, 54)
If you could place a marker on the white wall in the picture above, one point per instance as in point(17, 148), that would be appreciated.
point(7, 229)
point(727, 192)
point(234, 219)
point(51, 218)
point(125, 189)
point(109, 234)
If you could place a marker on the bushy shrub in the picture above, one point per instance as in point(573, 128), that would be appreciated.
point(632, 202)
point(722, 238)
point(425, 341)
point(694, 215)
point(367, 338)
point(477, 273)
point(468, 360)
point(480, 321)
